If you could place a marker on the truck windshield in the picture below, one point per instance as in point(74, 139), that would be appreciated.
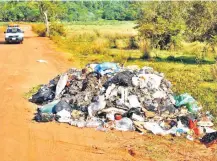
point(13, 30)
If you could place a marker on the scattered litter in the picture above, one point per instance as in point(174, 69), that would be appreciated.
point(42, 61)
point(189, 137)
point(106, 96)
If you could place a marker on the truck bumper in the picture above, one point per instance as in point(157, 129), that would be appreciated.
point(13, 40)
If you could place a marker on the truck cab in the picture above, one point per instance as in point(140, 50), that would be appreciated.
point(14, 34)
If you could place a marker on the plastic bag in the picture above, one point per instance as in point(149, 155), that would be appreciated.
point(62, 105)
point(43, 95)
point(138, 117)
point(125, 124)
point(109, 91)
point(135, 81)
point(209, 138)
point(106, 68)
point(122, 79)
point(93, 108)
point(132, 111)
point(150, 80)
point(154, 128)
point(61, 84)
point(188, 101)
point(94, 123)
point(133, 100)
point(48, 108)
point(64, 116)
point(44, 117)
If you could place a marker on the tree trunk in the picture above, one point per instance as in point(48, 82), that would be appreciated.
point(47, 24)
point(43, 12)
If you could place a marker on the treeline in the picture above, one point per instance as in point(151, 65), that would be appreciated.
point(71, 11)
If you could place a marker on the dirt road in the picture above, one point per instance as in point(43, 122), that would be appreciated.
point(22, 139)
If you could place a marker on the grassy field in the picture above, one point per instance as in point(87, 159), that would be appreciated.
point(188, 67)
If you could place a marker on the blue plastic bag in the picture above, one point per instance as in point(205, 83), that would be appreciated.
point(106, 68)
point(48, 108)
point(188, 101)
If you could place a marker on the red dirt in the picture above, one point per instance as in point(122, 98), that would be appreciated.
point(22, 139)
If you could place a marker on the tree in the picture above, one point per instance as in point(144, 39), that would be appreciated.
point(50, 11)
point(161, 23)
point(201, 21)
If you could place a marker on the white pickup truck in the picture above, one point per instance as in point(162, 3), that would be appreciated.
point(14, 34)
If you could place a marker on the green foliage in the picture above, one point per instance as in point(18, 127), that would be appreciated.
point(167, 24)
point(69, 10)
point(161, 23)
point(19, 11)
point(32, 91)
point(201, 21)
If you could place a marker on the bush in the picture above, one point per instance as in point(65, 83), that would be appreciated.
point(99, 46)
point(57, 29)
point(121, 43)
point(133, 43)
point(39, 29)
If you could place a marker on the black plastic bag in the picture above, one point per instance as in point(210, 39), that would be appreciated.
point(53, 83)
point(62, 105)
point(122, 79)
point(184, 120)
point(209, 138)
point(44, 117)
point(131, 112)
point(43, 95)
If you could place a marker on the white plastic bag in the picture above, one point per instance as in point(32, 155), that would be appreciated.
point(133, 100)
point(65, 116)
point(61, 84)
point(93, 108)
point(125, 124)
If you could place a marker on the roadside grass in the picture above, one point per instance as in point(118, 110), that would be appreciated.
point(31, 91)
point(3, 26)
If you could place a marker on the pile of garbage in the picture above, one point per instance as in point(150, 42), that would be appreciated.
point(106, 96)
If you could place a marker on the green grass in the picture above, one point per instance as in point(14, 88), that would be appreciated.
point(32, 91)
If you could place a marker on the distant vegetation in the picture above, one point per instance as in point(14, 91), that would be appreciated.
point(70, 11)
